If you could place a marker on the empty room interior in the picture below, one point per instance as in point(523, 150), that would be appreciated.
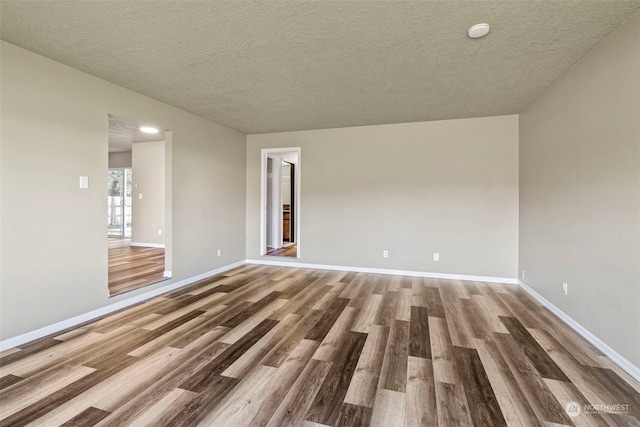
point(320, 213)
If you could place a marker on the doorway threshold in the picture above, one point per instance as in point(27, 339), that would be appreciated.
point(288, 250)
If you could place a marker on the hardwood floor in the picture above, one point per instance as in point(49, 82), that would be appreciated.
point(289, 250)
point(131, 267)
point(275, 346)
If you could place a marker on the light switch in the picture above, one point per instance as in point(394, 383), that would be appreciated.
point(140, 196)
point(84, 182)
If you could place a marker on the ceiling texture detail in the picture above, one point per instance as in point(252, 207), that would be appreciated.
point(273, 66)
point(123, 133)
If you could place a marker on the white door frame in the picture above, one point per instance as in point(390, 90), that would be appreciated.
point(275, 205)
point(275, 154)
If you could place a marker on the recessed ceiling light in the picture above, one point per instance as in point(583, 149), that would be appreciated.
point(478, 30)
point(148, 129)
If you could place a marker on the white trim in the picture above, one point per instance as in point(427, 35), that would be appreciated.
point(147, 245)
point(297, 203)
point(263, 202)
point(167, 274)
point(632, 369)
point(505, 280)
point(91, 315)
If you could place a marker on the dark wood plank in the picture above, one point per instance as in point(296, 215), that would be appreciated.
point(348, 277)
point(89, 417)
point(419, 341)
point(536, 354)
point(325, 408)
point(251, 310)
point(322, 327)
point(483, 405)
point(354, 416)
point(9, 380)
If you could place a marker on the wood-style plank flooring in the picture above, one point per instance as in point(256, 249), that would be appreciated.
point(131, 267)
point(289, 250)
point(275, 346)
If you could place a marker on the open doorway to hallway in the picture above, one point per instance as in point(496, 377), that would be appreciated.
point(280, 234)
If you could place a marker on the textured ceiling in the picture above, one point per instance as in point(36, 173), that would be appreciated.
point(276, 66)
point(123, 133)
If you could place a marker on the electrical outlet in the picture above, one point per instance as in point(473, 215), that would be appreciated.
point(385, 254)
point(522, 274)
point(565, 288)
point(436, 256)
point(219, 252)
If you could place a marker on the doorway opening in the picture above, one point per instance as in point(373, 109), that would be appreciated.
point(280, 202)
point(119, 202)
point(138, 206)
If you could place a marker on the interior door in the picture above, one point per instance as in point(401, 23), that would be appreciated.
point(292, 208)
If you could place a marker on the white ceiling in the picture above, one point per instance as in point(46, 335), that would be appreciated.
point(276, 66)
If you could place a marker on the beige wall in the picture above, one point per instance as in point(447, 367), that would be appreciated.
point(120, 160)
point(54, 246)
point(148, 160)
point(412, 189)
point(580, 192)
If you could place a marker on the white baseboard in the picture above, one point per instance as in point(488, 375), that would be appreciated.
point(168, 274)
point(506, 280)
point(631, 369)
point(94, 314)
point(147, 245)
